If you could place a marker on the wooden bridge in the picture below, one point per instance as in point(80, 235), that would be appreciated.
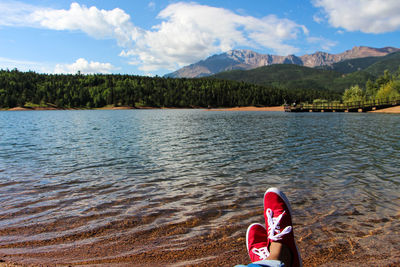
point(358, 106)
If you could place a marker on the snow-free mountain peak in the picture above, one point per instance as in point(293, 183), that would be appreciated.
point(247, 59)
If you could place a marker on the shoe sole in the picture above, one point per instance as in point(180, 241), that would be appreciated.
point(286, 200)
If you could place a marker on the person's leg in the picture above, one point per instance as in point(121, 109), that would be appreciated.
point(265, 263)
point(278, 219)
point(280, 252)
point(275, 245)
point(259, 252)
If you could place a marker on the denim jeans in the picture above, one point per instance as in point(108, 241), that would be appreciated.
point(264, 263)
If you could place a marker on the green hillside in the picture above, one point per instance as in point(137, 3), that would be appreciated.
point(390, 62)
point(352, 65)
point(373, 65)
point(283, 75)
point(297, 77)
point(345, 81)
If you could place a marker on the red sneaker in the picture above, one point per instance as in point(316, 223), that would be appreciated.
point(256, 241)
point(278, 219)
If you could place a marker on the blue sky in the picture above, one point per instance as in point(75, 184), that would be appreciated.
point(154, 37)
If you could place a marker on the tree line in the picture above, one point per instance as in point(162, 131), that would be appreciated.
point(386, 86)
point(98, 90)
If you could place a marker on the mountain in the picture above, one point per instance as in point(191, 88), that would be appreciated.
point(247, 59)
point(336, 77)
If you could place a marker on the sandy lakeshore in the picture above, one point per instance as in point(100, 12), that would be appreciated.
point(392, 110)
point(250, 108)
point(52, 108)
point(395, 109)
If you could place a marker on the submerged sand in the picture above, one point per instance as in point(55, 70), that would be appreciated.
point(160, 246)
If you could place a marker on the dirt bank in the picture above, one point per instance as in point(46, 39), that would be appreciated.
point(251, 108)
point(395, 109)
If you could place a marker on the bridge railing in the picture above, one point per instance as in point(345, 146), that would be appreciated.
point(350, 105)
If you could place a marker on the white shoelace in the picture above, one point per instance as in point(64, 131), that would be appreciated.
point(263, 253)
point(274, 232)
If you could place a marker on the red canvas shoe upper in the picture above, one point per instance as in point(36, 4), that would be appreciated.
point(256, 241)
point(278, 220)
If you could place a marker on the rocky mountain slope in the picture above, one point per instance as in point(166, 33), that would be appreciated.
point(247, 59)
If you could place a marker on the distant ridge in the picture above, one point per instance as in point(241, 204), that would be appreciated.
point(247, 59)
point(294, 77)
point(336, 77)
point(373, 65)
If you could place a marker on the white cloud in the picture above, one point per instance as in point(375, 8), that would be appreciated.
point(190, 32)
point(25, 65)
point(80, 64)
point(322, 42)
point(15, 13)
point(97, 23)
point(318, 19)
point(84, 67)
point(152, 5)
point(369, 16)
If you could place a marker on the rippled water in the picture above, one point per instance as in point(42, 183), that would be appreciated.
point(117, 186)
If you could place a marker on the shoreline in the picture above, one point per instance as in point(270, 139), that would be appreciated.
point(102, 108)
point(250, 108)
point(390, 110)
point(247, 108)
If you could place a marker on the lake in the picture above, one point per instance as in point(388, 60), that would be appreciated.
point(180, 187)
